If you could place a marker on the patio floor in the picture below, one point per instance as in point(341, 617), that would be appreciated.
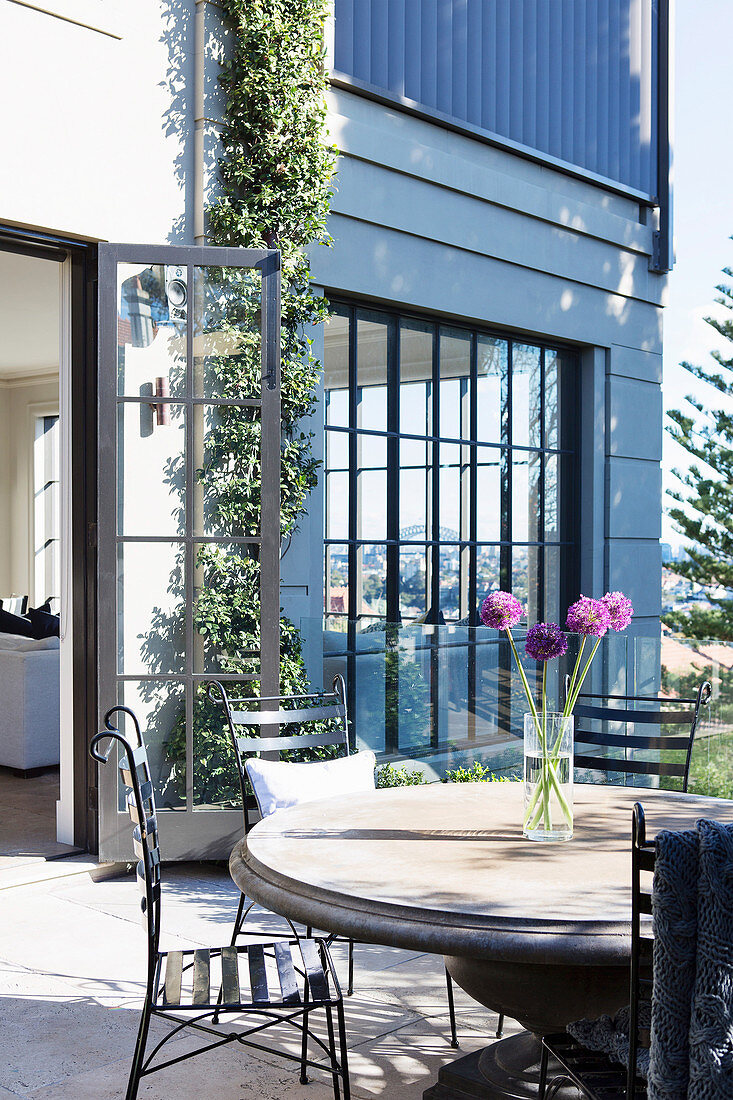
point(72, 963)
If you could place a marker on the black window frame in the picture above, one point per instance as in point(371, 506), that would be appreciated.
point(468, 544)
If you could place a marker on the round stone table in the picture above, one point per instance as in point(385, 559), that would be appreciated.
point(538, 931)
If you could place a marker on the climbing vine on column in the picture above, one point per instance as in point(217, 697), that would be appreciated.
point(275, 170)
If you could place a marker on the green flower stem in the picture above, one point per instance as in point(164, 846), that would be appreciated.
point(576, 693)
point(568, 710)
point(525, 683)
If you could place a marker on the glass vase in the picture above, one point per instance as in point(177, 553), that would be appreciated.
point(548, 777)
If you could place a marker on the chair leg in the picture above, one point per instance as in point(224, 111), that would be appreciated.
point(543, 1073)
point(451, 1011)
point(332, 1052)
point(304, 1045)
point(350, 988)
point(139, 1055)
point(500, 1026)
point(344, 1051)
point(238, 920)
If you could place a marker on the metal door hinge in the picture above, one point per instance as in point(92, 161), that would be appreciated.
point(92, 535)
point(93, 800)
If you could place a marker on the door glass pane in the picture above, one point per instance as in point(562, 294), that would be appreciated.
point(491, 387)
point(450, 581)
point(525, 578)
point(450, 490)
point(488, 495)
point(226, 622)
point(413, 582)
point(487, 570)
point(151, 469)
point(455, 369)
point(337, 450)
point(413, 504)
point(161, 709)
point(337, 575)
point(150, 608)
point(336, 369)
point(151, 330)
point(371, 375)
point(226, 332)
point(215, 778)
point(416, 374)
point(371, 581)
point(552, 527)
point(337, 505)
point(551, 399)
point(552, 585)
point(372, 488)
point(526, 409)
point(227, 470)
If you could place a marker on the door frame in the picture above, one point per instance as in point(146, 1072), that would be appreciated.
point(216, 830)
point(77, 824)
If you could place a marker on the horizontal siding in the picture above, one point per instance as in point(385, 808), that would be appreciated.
point(574, 79)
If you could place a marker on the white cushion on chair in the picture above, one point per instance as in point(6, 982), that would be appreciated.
point(278, 784)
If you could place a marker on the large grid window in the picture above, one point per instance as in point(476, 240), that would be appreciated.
point(449, 470)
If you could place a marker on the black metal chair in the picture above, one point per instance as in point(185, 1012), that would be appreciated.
point(591, 728)
point(596, 1075)
point(251, 714)
point(273, 983)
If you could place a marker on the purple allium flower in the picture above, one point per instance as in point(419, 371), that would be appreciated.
point(619, 608)
point(501, 610)
point(545, 641)
point(588, 616)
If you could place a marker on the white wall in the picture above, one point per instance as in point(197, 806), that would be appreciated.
point(17, 400)
point(101, 144)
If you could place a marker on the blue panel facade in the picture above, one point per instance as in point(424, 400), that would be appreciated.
point(574, 79)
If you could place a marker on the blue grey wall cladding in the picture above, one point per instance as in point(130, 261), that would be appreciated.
point(575, 79)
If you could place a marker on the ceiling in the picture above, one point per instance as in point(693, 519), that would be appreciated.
point(29, 315)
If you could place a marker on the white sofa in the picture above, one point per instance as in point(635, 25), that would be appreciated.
point(29, 702)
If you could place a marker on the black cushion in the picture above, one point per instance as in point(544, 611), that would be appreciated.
point(43, 625)
point(16, 624)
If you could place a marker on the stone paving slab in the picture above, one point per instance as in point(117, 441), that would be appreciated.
point(72, 969)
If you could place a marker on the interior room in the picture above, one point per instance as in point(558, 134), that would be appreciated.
point(30, 556)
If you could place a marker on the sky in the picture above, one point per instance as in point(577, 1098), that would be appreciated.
point(703, 204)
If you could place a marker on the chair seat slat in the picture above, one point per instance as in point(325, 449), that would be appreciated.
point(314, 969)
point(286, 742)
point(258, 974)
point(649, 717)
point(645, 903)
point(646, 859)
point(286, 974)
point(173, 977)
point(201, 976)
point(286, 717)
point(229, 976)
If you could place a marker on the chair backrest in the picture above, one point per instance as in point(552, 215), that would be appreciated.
point(247, 718)
point(593, 714)
point(643, 855)
point(140, 799)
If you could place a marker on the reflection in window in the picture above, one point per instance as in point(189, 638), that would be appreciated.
point(443, 461)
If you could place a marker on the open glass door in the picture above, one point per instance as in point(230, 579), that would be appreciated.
point(188, 519)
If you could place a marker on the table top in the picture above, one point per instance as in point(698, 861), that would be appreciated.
point(445, 868)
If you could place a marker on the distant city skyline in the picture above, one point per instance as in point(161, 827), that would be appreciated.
point(703, 212)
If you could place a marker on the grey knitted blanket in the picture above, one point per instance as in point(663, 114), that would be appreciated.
point(691, 1056)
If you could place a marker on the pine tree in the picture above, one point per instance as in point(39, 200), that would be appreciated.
point(704, 511)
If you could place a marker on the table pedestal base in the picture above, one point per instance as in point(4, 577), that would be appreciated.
point(507, 1070)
